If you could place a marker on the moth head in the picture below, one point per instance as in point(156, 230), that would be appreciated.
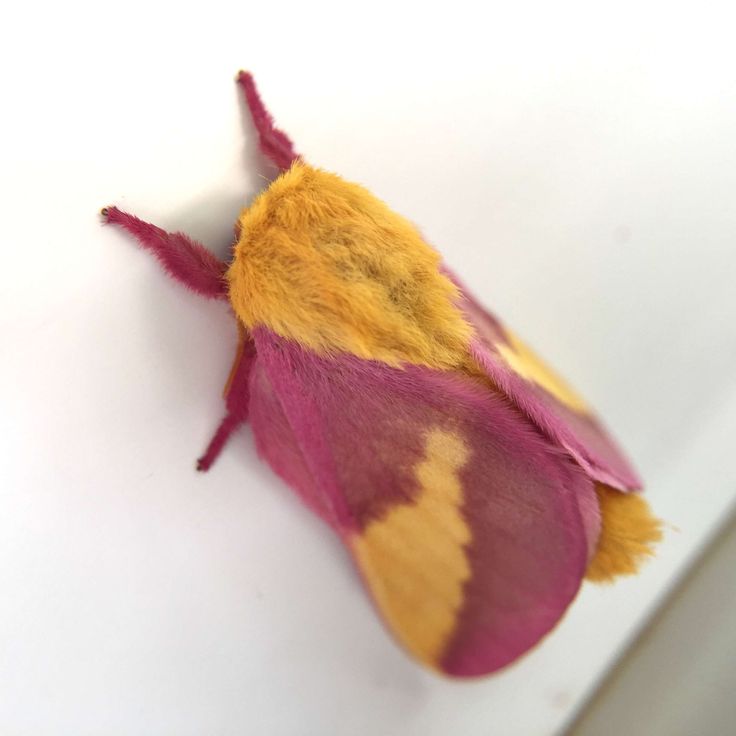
point(323, 262)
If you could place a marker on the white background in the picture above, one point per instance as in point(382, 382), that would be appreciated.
point(575, 164)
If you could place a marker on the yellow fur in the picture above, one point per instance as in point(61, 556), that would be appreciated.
point(324, 262)
point(414, 559)
point(628, 534)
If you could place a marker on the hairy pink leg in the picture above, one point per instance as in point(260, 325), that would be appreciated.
point(237, 394)
point(228, 425)
point(188, 261)
point(274, 142)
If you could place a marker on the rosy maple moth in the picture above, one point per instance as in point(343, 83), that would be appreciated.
point(473, 488)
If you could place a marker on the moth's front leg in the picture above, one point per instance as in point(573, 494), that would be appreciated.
point(237, 399)
point(188, 261)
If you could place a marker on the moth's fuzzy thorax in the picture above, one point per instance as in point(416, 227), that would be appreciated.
point(322, 261)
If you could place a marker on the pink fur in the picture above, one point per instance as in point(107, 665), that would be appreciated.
point(580, 434)
point(228, 425)
point(237, 401)
point(352, 431)
point(188, 261)
point(274, 142)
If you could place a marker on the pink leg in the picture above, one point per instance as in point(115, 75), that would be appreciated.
point(237, 394)
point(228, 425)
point(187, 261)
point(274, 142)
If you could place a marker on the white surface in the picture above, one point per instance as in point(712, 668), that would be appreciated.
point(576, 168)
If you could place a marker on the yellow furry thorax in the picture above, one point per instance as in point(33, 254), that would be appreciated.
point(324, 262)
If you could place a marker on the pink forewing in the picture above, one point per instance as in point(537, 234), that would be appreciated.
point(348, 434)
point(581, 434)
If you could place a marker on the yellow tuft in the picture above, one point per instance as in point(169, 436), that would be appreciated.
point(414, 558)
point(322, 261)
point(629, 532)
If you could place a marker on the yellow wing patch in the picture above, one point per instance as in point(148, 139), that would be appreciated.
point(414, 558)
point(322, 261)
point(524, 362)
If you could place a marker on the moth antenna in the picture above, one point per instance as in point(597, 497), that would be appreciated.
point(188, 261)
point(273, 142)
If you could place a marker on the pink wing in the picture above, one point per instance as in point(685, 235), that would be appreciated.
point(544, 398)
point(463, 518)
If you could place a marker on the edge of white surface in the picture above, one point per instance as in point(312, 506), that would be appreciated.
point(659, 689)
point(697, 467)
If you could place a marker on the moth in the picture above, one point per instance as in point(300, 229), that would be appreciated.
point(473, 488)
